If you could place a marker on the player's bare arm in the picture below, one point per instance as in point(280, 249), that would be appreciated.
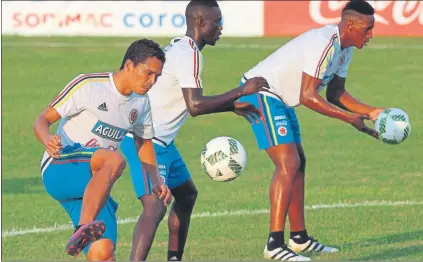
point(311, 98)
point(198, 104)
point(337, 95)
point(147, 155)
point(42, 131)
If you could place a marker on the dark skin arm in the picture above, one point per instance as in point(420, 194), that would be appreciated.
point(337, 95)
point(198, 104)
point(310, 98)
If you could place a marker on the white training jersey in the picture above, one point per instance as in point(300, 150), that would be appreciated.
point(95, 114)
point(316, 52)
point(183, 68)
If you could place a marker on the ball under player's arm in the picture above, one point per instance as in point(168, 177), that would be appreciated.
point(337, 95)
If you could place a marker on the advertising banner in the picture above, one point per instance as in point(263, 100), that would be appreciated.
point(393, 18)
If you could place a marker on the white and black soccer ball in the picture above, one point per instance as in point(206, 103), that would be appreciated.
point(223, 159)
point(393, 126)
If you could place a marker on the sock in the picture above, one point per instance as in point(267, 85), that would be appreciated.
point(276, 239)
point(300, 237)
point(174, 255)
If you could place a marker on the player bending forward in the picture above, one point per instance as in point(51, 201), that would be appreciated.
point(176, 94)
point(296, 73)
point(81, 164)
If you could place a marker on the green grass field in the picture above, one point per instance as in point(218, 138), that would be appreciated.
point(344, 166)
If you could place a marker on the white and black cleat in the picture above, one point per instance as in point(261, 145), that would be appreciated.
point(312, 245)
point(283, 253)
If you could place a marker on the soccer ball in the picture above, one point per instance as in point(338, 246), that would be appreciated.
point(393, 126)
point(223, 159)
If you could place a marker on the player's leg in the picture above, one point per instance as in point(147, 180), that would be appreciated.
point(102, 249)
point(146, 227)
point(106, 167)
point(65, 179)
point(153, 209)
point(299, 240)
point(185, 194)
point(275, 135)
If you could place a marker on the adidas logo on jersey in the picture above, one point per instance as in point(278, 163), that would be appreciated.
point(103, 107)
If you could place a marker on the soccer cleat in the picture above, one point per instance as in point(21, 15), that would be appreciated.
point(83, 236)
point(312, 245)
point(283, 253)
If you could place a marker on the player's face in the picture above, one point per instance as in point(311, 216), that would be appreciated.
point(145, 75)
point(362, 31)
point(211, 26)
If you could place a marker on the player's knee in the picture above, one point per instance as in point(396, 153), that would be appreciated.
point(101, 250)
point(185, 196)
point(118, 162)
point(289, 167)
point(104, 158)
point(153, 208)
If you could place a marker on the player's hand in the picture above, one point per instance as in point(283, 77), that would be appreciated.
point(249, 111)
point(358, 122)
point(375, 113)
point(53, 146)
point(254, 85)
point(163, 192)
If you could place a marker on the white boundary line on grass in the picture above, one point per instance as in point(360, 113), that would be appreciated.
point(242, 212)
point(222, 45)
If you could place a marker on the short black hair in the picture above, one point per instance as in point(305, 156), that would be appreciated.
point(141, 50)
point(205, 3)
point(360, 6)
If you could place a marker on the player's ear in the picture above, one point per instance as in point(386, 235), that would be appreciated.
point(129, 65)
point(350, 26)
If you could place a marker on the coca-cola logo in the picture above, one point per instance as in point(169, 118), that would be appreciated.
point(387, 12)
point(92, 143)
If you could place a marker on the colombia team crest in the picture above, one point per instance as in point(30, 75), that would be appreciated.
point(133, 115)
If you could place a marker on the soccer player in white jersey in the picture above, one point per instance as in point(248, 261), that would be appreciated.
point(296, 72)
point(80, 164)
point(177, 94)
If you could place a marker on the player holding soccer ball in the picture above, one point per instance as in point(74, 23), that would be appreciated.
point(296, 73)
point(177, 93)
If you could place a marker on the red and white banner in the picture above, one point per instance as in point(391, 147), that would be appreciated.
point(121, 18)
point(393, 18)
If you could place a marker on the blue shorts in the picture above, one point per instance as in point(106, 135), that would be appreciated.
point(65, 180)
point(172, 168)
point(280, 125)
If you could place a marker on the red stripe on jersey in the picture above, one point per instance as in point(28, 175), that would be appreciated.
point(196, 63)
point(70, 85)
point(323, 56)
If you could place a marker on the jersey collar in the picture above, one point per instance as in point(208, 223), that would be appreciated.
point(191, 41)
point(121, 97)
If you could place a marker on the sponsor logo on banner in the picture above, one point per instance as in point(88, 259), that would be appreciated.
point(121, 18)
point(159, 20)
point(61, 20)
point(394, 18)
